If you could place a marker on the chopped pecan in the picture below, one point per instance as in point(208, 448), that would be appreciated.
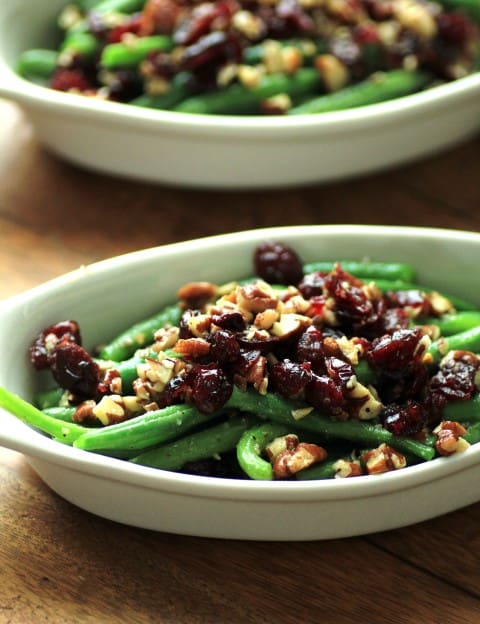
point(165, 338)
point(256, 297)
point(290, 324)
point(449, 440)
point(383, 459)
point(197, 294)
point(192, 348)
point(291, 461)
point(84, 411)
point(344, 468)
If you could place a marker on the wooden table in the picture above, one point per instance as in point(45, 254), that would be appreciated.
point(60, 564)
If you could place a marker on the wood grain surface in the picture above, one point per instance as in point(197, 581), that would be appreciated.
point(61, 564)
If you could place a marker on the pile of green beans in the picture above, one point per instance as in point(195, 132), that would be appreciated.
point(304, 90)
point(172, 437)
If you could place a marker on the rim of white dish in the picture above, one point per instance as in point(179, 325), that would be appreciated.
point(37, 445)
point(432, 99)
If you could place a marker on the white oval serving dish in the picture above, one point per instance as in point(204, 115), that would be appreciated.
point(225, 151)
point(96, 296)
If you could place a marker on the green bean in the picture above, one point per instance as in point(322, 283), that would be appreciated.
point(468, 340)
point(60, 430)
point(131, 54)
point(118, 6)
point(144, 431)
point(449, 324)
point(250, 448)
point(178, 91)
point(239, 99)
point(309, 48)
point(273, 407)
point(60, 413)
point(399, 285)
point(49, 398)
point(471, 7)
point(378, 87)
point(37, 64)
point(322, 470)
point(467, 411)
point(84, 44)
point(87, 5)
point(215, 440)
point(473, 434)
point(365, 375)
point(139, 335)
point(371, 270)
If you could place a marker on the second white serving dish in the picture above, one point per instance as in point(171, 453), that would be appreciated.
point(96, 297)
point(220, 151)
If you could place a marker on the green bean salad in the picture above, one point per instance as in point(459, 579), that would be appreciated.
point(304, 371)
point(257, 57)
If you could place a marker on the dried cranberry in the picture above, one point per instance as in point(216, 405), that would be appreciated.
point(290, 378)
point(351, 303)
point(65, 79)
point(323, 393)
point(224, 347)
point(131, 25)
point(74, 369)
point(278, 264)
point(311, 285)
point(394, 353)
point(185, 332)
point(233, 321)
point(340, 371)
point(201, 20)
point(455, 380)
point(379, 10)
point(404, 420)
point(176, 391)
point(211, 389)
point(310, 348)
point(454, 27)
point(212, 50)
point(43, 346)
point(124, 86)
point(345, 49)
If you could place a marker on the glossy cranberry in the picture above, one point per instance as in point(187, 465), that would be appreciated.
point(224, 347)
point(202, 19)
point(414, 299)
point(310, 348)
point(277, 264)
point(323, 393)
point(211, 389)
point(183, 324)
point(233, 321)
point(456, 378)
point(311, 285)
point(393, 353)
point(176, 391)
point(454, 27)
point(285, 19)
point(351, 303)
point(124, 86)
point(340, 371)
point(65, 79)
point(74, 369)
point(290, 378)
point(41, 349)
point(404, 420)
point(366, 34)
point(214, 49)
point(130, 25)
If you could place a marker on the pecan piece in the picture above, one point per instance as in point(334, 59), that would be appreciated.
point(383, 459)
point(449, 440)
point(288, 456)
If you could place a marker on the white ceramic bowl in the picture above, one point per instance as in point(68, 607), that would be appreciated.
point(221, 151)
point(96, 296)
